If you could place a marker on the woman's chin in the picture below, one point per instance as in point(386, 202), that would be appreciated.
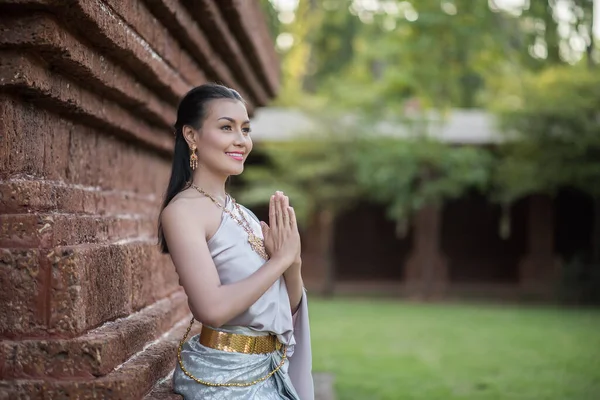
point(237, 171)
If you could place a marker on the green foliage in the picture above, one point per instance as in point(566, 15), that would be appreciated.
point(555, 138)
point(315, 173)
point(411, 173)
point(271, 17)
point(331, 172)
point(452, 53)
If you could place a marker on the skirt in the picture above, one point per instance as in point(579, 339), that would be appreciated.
point(217, 366)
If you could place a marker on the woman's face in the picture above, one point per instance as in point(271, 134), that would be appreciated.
point(224, 140)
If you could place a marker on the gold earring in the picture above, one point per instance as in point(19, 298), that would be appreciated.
point(193, 158)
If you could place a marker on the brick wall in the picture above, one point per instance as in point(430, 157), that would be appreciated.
point(89, 90)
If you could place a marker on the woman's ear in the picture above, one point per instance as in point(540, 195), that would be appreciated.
point(189, 135)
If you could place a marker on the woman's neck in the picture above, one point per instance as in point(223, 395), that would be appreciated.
point(210, 183)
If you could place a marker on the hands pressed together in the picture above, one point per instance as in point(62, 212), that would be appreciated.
point(282, 239)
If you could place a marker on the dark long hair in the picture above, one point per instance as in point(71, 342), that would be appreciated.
point(192, 111)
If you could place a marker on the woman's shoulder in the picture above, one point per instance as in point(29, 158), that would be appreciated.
point(188, 207)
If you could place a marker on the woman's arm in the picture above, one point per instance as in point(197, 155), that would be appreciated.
point(294, 284)
point(216, 304)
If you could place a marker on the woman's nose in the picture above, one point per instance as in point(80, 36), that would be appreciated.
point(240, 139)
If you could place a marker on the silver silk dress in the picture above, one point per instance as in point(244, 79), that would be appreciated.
point(271, 314)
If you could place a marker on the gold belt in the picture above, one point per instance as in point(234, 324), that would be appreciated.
point(238, 343)
point(233, 342)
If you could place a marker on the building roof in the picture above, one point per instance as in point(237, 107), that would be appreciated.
point(456, 126)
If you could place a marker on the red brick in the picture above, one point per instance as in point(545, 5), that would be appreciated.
point(23, 278)
point(96, 353)
point(163, 390)
point(106, 30)
point(153, 274)
point(21, 390)
point(133, 379)
point(45, 152)
point(9, 135)
point(152, 32)
point(99, 160)
point(209, 16)
point(68, 198)
point(26, 230)
point(244, 17)
point(24, 156)
point(56, 135)
point(19, 73)
point(24, 196)
point(51, 230)
point(43, 34)
point(79, 154)
point(90, 284)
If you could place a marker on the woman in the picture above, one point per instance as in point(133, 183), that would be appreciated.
point(242, 276)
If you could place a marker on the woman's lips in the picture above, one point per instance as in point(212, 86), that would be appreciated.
point(236, 156)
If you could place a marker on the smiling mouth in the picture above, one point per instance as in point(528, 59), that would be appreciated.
point(236, 156)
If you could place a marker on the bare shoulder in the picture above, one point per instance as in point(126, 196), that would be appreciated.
point(190, 211)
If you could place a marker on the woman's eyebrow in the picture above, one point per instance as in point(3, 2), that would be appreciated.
point(233, 120)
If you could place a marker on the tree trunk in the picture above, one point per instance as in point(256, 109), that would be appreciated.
point(591, 45)
point(596, 233)
point(326, 228)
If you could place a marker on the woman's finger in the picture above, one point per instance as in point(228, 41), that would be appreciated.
point(272, 213)
point(279, 209)
point(285, 205)
point(293, 222)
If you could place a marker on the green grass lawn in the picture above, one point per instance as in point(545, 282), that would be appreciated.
point(389, 350)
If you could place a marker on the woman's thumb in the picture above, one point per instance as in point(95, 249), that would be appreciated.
point(265, 228)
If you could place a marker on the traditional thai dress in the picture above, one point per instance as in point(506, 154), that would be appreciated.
point(235, 260)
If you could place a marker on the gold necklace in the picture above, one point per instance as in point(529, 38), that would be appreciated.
point(256, 243)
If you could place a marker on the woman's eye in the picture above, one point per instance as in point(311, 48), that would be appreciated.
point(246, 131)
point(226, 127)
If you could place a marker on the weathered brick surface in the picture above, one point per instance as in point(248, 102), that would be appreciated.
point(51, 230)
point(111, 34)
point(153, 277)
point(25, 196)
point(130, 380)
point(210, 18)
point(179, 21)
point(22, 75)
point(89, 93)
point(74, 153)
point(96, 353)
point(25, 284)
point(245, 16)
point(152, 31)
point(42, 34)
point(21, 390)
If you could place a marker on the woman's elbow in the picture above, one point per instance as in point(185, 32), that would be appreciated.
point(213, 318)
point(212, 322)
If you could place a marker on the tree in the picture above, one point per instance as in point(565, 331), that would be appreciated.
point(408, 174)
point(555, 138)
